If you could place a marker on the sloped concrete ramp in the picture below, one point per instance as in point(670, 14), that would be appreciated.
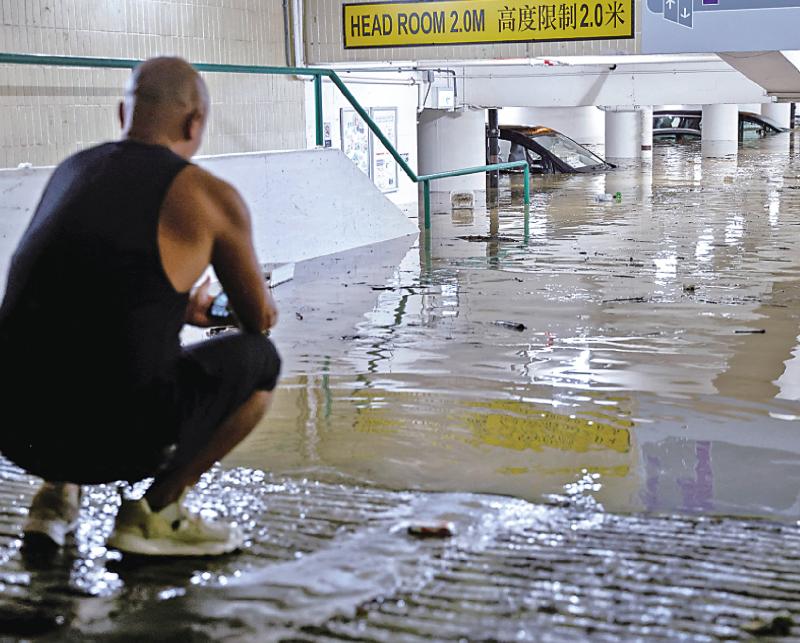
point(310, 203)
point(304, 204)
point(331, 561)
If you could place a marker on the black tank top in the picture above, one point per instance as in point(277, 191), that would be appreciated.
point(88, 304)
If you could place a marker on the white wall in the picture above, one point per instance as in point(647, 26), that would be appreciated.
point(50, 112)
point(374, 90)
point(305, 204)
point(586, 125)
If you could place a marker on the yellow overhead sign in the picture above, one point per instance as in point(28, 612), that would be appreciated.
point(460, 22)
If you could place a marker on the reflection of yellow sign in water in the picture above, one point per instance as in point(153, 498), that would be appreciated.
point(453, 22)
point(520, 426)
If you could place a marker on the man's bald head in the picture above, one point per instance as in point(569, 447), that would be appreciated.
point(166, 101)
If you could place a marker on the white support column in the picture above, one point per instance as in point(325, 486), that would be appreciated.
point(778, 112)
point(623, 133)
point(720, 130)
point(646, 114)
point(450, 140)
point(755, 108)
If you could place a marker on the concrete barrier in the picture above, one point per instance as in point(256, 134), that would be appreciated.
point(304, 204)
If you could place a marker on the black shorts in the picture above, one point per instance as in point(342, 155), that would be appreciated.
point(213, 379)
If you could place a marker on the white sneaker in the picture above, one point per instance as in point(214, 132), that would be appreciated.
point(173, 531)
point(53, 512)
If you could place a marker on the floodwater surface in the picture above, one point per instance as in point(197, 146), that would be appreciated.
point(603, 369)
point(658, 368)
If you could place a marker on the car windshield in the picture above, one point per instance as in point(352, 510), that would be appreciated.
point(568, 150)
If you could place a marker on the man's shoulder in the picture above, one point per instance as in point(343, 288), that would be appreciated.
point(203, 184)
point(202, 195)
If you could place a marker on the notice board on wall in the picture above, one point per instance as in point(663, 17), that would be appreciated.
point(356, 140)
point(362, 147)
point(384, 167)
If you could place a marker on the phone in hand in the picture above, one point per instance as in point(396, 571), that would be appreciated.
point(220, 311)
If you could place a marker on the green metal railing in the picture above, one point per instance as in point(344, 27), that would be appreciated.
point(318, 74)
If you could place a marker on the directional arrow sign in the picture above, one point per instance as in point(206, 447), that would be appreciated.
point(682, 26)
point(685, 13)
point(671, 10)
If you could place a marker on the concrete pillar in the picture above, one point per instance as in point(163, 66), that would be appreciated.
point(778, 112)
point(623, 133)
point(450, 140)
point(585, 125)
point(755, 108)
point(647, 132)
point(720, 130)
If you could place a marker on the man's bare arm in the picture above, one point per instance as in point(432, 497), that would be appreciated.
point(233, 257)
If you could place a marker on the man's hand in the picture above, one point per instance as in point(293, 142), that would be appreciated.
point(272, 310)
point(199, 303)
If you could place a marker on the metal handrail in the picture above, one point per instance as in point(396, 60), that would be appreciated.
point(318, 73)
point(426, 179)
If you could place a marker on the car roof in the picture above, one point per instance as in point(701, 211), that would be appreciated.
point(755, 116)
point(529, 130)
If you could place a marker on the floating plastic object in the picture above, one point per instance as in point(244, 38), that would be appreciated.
point(462, 200)
point(603, 198)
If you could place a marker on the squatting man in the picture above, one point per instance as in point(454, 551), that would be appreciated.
point(98, 290)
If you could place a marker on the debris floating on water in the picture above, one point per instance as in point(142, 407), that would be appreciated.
point(432, 530)
point(485, 237)
point(510, 324)
point(779, 625)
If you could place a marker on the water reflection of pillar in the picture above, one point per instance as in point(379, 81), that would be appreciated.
point(758, 360)
point(665, 489)
point(719, 171)
point(720, 130)
point(493, 246)
point(698, 492)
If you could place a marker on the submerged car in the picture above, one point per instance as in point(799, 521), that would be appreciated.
point(547, 151)
point(687, 124)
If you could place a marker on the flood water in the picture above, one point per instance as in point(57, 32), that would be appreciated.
point(658, 368)
point(648, 369)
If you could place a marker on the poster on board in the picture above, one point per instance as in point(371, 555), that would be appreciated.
point(355, 140)
point(384, 167)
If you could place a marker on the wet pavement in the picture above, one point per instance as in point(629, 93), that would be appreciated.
point(625, 465)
